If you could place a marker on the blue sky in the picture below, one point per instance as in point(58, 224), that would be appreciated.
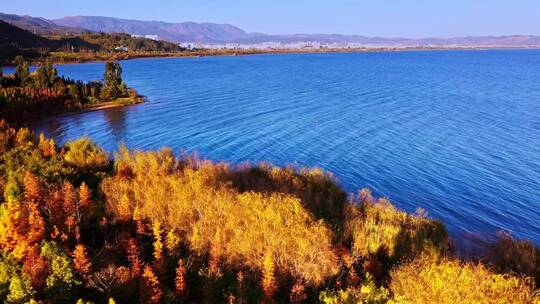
point(388, 18)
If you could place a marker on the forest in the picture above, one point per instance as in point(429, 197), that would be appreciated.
point(25, 95)
point(78, 225)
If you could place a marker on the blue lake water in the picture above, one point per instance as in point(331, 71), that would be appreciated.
point(454, 132)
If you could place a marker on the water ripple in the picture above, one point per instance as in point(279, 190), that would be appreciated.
point(454, 132)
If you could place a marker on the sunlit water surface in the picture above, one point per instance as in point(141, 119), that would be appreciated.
point(454, 132)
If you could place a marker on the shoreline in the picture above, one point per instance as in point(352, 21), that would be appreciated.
point(113, 104)
point(117, 103)
point(78, 58)
point(225, 53)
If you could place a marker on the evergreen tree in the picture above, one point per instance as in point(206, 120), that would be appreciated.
point(113, 86)
point(46, 75)
point(22, 71)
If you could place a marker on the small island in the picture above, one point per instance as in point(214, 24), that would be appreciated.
point(27, 96)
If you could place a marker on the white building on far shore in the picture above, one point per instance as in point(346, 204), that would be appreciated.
point(153, 37)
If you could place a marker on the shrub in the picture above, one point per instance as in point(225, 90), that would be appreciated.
point(367, 293)
point(379, 229)
point(83, 153)
point(317, 189)
point(428, 280)
point(510, 255)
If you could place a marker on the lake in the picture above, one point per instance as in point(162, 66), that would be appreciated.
point(456, 133)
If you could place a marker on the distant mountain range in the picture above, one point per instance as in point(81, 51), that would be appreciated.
point(40, 26)
point(212, 33)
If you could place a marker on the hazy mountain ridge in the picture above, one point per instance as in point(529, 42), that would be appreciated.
point(213, 33)
point(38, 25)
point(226, 33)
point(175, 32)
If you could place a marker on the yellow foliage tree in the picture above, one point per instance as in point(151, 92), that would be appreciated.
point(269, 280)
point(84, 154)
point(158, 243)
point(171, 241)
point(21, 226)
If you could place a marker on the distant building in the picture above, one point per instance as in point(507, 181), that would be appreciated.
point(152, 37)
point(121, 49)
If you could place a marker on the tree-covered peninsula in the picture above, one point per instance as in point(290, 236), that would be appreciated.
point(26, 95)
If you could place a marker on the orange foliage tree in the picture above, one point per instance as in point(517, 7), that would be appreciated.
point(150, 289)
point(132, 251)
point(180, 283)
point(81, 261)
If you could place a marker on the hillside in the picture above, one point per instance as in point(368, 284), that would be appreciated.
point(225, 33)
point(13, 35)
point(175, 32)
point(17, 41)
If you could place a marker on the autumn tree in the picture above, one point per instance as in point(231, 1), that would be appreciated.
point(21, 226)
point(124, 209)
point(33, 192)
point(47, 146)
point(20, 289)
point(133, 256)
point(171, 242)
point(36, 224)
point(298, 292)
point(33, 195)
point(180, 283)
point(150, 289)
point(82, 263)
point(158, 243)
point(85, 196)
point(61, 281)
point(36, 267)
point(83, 153)
point(15, 285)
point(268, 280)
point(69, 206)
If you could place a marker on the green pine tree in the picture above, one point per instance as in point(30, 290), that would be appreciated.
point(22, 71)
point(113, 87)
